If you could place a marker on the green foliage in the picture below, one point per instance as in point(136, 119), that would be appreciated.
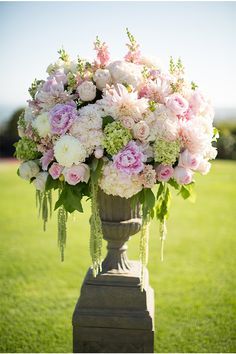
point(133, 44)
point(70, 197)
point(193, 85)
point(187, 192)
point(163, 202)
point(63, 55)
point(34, 88)
point(107, 120)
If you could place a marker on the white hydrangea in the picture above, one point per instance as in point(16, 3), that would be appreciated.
point(28, 170)
point(42, 124)
point(69, 150)
point(119, 183)
point(40, 181)
point(123, 72)
point(87, 128)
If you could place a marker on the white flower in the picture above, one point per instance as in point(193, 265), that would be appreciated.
point(40, 181)
point(87, 91)
point(42, 124)
point(68, 151)
point(118, 183)
point(150, 62)
point(28, 170)
point(141, 130)
point(28, 115)
point(123, 72)
point(102, 77)
point(204, 167)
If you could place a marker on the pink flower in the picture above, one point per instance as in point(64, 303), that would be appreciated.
point(204, 167)
point(47, 157)
point(62, 117)
point(177, 104)
point(130, 159)
point(76, 174)
point(133, 56)
point(189, 160)
point(103, 55)
point(55, 170)
point(141, 130)
point(127, 122)
point(183, 175)
point(148, 176)
point(164, 173)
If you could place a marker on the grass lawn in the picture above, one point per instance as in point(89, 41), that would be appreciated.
point(194, 286)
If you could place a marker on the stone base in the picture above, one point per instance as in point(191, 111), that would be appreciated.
point(112, 315)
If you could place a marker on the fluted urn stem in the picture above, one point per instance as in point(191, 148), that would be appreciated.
point(119, 222)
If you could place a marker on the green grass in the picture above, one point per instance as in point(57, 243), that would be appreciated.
point(194, 286)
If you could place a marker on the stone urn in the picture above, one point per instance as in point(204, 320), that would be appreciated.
point(112, 314)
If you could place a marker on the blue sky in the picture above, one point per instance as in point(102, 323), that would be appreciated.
point(202, 33)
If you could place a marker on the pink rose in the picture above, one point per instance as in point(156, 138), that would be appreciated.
point(130, 159)
point(183, 175)
point(76, 174)
point(127, 122)
point(189, 160)
point(204, 167)
point(177, 104)
point(55, 170)
point(164, 173)
point(141, 130)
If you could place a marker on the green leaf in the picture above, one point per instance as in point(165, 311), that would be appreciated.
point(160, 190)
point(95, 174)
point(149, 198)
point(187, 192)
point(107, 120)
point(163, 205)
point(174, 184)
point(51, 183)
point(70, 198)
point(134, 200)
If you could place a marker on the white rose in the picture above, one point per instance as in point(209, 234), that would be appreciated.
point(123, 72)
point(28, 170)
point(87, 91)
point(141, 130)
point(42, 124)
point(127, 122)
point(40, 181)
point(68, 151)
point(102, 77)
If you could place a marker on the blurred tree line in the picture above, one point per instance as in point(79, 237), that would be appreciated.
point(226, 144)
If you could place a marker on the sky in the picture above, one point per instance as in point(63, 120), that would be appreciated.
point(201, 33)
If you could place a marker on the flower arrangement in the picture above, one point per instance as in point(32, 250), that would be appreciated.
point(124, 126)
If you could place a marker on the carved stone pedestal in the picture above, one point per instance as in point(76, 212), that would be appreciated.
point(113, 315)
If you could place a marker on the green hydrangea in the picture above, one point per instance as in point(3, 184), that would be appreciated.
point(166, 152)
point(116, 137)
point(26, 149)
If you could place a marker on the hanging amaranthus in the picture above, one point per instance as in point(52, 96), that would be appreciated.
point(143, 248)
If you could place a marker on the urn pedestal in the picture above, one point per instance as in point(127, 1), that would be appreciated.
point(112, 314)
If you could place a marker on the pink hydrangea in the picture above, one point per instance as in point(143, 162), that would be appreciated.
point(130, 159)
point(62, 117)
point(55, 170)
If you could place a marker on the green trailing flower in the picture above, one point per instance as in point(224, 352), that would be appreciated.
point(44, 204)
point(143, 247)
point(62, 231)
point(116, 137)
point(95, 231)
point(26, 149)
point(166, 152)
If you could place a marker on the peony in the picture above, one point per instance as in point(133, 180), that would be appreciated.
point(189, 160)
point(28, 170)
point(40, 181)
point(68, 151)
point(183, 175)
point(204, 167)
point(42, 124)
point(177, 104)
point(130, 159)
point(123, 72)
point(76, 174)
point(164, 173)
point(62, 117)
point(87, 91)
point(141, 130)
point(102, 77)
point(118, 183)
point(55, 170)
